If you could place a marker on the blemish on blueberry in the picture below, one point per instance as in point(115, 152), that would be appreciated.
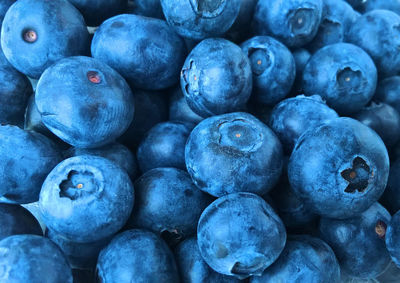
point(357, 176)
point(93, 77)
point(380, 229)
point(29, 36)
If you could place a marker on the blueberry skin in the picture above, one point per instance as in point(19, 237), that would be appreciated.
point(15, 90)
point(239, 31)
point(179, 110)
point(145, 102)
point(95, 11)
point(343, 74)
point(34, 259)
point(60, 30)
point(200, 19)
point(79, 255)
point(4, 6)
point(293, 116)
point(25, 160)
point(117, 153)
point(393, 5)
point(137, 256)
point(387, 91)
point(86, 198)
point(149, 60)
point(216, 78)
point(293, 22)
point(147, 8)
point(168, 203)
point(240, 235)
point(193, 268)
point(358, 242)
point(337, 18)
point(301, 57)
point(246, 156)
point(376, 33)
point(94, 112)
point(273, 67)
point(304, 259)
point(390, 275)
point(164, 146)
point(383, 119)
point(15, 220)
point(339, 169)
point(390, 198)
point(392, 238)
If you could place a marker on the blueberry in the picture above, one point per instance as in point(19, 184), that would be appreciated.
point(273, 66)
point(37, 33)
point(339, 169)
point(94, 112)
point(390, 275)
point(136, 256)
point(393, 5)
point(115, 152)
point(164, 146)
point(193, 268)
point(304, 259)
point(301, 57)
point(86, 198)
point(216, 78)
point(34, 259)
point(377, 33)
point(388, 90)
point(393, 238)
point(383, 119)
point(179, 110)
point(95, 11)
point(293, 22)
point(168, 203)
point(146, 51)
point(233, 152)
point(240, 235)
point(147, 8)
point(390, 197)
point(337, 18)
point(293, 116)
point(343, 74)
point(25, 160)
point(15, 90)
point(200, 19)
point(359, 242)
point(145, 102)
point(15, 220)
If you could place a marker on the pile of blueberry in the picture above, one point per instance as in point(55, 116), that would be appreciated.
point(201, 141)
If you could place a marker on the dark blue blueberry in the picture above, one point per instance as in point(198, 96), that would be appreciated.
point(239, 31)
point(390, 198)
point(79, 255)
point(25, 160)
point(179, 110)
point(164, 146)
point(294, 22)
point(95, 11)
point(388, 92)
point(15, 220)
point(86, 198)
point(304, 259)
point(15, 89)
point(136, 256)
point(339, 169)
point(150, 109)
point(145, 51)
point(359, 242)
point(392, 5)
point(233, 152)
point(390, 275)
point(115, 152)
point(200, 19)
point(376, 32)
point(301, 57)
point(293, 116)
point(84, 102)
point(216, 78)
point(147, 8)
point(193, 268)
point(240, 235)
point(37, 33)
point(33, 259)
point(343, 74)
point(393, 238)
point(383, 119)
point(168, 203)
point(337, 18)
point(273, 66)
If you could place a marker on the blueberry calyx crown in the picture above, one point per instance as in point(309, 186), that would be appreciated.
point(208, 8)
point(93, 77)
point(357, 176)
point(380, 229)
point(29, 36)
